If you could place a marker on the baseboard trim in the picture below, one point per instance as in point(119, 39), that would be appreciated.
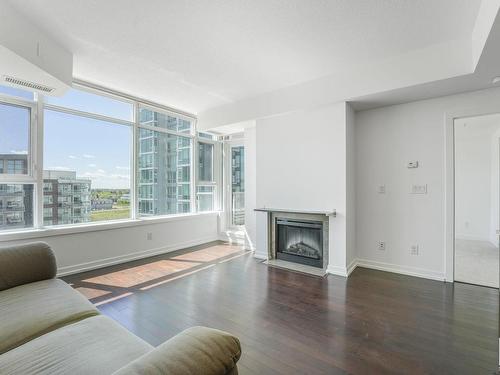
point(259, 256)
point(468, 237)
point(338, 271)
point(403, 270)
point(100, 263)
point(352, 266)
point(233, 239)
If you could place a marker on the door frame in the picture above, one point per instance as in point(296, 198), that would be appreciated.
point(449, 164)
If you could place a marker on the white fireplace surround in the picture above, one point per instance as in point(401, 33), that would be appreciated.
point(272, 214)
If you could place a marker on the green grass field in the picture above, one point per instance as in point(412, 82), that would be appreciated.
point(114, 214)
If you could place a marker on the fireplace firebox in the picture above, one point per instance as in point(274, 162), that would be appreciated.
point(300, 241)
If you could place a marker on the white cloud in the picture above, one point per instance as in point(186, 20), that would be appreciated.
point(101, 179)
point(88, 156)
point(72, 157)
point(19, 152)
point(92, 165)
point(59, 168)
point(120, 176)
point(122, 168)
point(97, 174)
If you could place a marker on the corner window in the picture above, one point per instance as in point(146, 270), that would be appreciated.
point(89, 154)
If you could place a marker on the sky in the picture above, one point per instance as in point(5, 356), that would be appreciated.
point(14, 129)
point(97, 150)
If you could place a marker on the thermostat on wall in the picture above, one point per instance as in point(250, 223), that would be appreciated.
point(413, 164)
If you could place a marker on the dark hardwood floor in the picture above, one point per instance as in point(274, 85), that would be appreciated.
point(290, 323)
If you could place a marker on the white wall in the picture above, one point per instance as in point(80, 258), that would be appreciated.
point(351, 252)
point(250, 187)
point(495, 188)
point(386, 139)
point(301, 164)
point(86, 250)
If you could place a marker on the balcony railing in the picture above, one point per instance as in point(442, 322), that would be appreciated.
point(238, 208)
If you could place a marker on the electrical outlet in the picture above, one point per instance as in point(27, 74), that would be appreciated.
point(413, 164)
point(414, 250)
point(381, 245)
point(419, 189)
point(149, 236)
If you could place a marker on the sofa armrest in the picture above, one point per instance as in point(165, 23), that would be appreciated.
point(23, 264)
point(197, 350)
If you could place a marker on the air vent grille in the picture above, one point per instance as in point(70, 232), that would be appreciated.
point(27, 84)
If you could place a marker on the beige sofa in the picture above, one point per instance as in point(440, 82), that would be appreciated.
point(46, 327)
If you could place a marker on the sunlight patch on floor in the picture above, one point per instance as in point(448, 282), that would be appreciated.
point(209, 254)
point(92, 293)
point(141, 274)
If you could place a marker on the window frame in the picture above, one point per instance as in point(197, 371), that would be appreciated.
point(37, 108)
point(31, 177)
point(216, 182)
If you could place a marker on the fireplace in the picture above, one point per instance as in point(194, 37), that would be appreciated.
point(299, 241)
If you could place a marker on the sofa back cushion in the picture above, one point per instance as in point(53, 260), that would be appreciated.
point(23, 264)
point(31, 310)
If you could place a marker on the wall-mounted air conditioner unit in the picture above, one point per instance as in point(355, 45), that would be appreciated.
point(29, 59)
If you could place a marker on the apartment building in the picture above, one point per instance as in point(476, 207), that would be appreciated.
point(66, 198)
point(14, 198)
point(164, 172)
point(13, 164)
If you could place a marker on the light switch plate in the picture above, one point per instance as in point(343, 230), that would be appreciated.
point(381, 189)
point(414, 250)
point(419, 189)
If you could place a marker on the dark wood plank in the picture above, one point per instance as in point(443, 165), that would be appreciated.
point(290, 323)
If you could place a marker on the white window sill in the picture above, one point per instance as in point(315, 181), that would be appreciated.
point(95, 227)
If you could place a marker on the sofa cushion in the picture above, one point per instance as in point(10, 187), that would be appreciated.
point(96, 345)
point(27, 263)
point(197, 350)
point(31, 310)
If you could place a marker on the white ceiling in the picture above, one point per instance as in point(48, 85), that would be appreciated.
point(197, 55)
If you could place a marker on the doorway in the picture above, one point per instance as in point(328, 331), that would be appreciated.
point(477, 203)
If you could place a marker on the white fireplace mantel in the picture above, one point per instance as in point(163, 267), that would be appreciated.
point(295, 211)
